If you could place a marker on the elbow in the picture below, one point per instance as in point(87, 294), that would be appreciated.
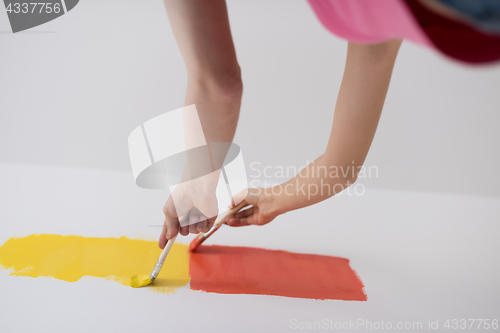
point(350, 181)
point(224, 85)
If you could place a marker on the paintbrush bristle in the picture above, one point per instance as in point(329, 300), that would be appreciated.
point(195, 243)
point(140, 281)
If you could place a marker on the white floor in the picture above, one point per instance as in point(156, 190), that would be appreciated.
point(422, 257)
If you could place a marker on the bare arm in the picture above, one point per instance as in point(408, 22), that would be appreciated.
point(359, 105)
point(201, 29)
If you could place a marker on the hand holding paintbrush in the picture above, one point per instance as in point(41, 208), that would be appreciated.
point(218, 222)
point(144, 280)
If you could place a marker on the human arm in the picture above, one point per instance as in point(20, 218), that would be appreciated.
point(201, 29)
point(360, 101)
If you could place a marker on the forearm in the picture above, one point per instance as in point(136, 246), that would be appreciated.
point(357, 112)
point(218, 110)
point(316, 182)
point(202, 31)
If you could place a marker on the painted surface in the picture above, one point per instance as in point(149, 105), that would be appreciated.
point(219, 269)
point(69, 258)
point(243, 270)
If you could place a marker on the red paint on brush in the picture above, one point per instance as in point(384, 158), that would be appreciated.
point(243, 270)
point(195, 243)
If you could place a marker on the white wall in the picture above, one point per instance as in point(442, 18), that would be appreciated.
point(73, 89)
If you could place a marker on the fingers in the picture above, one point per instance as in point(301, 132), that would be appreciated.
point(163, 237)
point(172, 225)
point(192, 224)
point(242, 213)
point(198, 224)
point(211, 222)
point(202, 226)
point(250, 195)
point(246, 217)
point(245, 213)
point(184, 231)
point(241, 222)
point(169, 230)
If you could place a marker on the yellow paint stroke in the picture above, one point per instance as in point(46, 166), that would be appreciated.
point(69, 258)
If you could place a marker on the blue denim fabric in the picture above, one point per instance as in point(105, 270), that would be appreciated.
point(484, 14)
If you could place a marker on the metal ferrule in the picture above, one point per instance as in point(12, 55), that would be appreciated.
point(154, 274)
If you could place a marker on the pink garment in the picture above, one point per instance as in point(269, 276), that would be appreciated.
point(369, 21)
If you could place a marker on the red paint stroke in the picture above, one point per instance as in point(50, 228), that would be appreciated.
point(244, 270)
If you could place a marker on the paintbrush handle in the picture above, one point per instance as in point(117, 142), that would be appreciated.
point(170, 242)
point(161, 260)
point(223, 216)
point(166, 250)
point(218, 222)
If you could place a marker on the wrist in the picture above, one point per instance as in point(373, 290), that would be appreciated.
point(272, 201)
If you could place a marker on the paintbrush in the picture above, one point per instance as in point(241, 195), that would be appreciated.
point(143, 280)
point(218, 222)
